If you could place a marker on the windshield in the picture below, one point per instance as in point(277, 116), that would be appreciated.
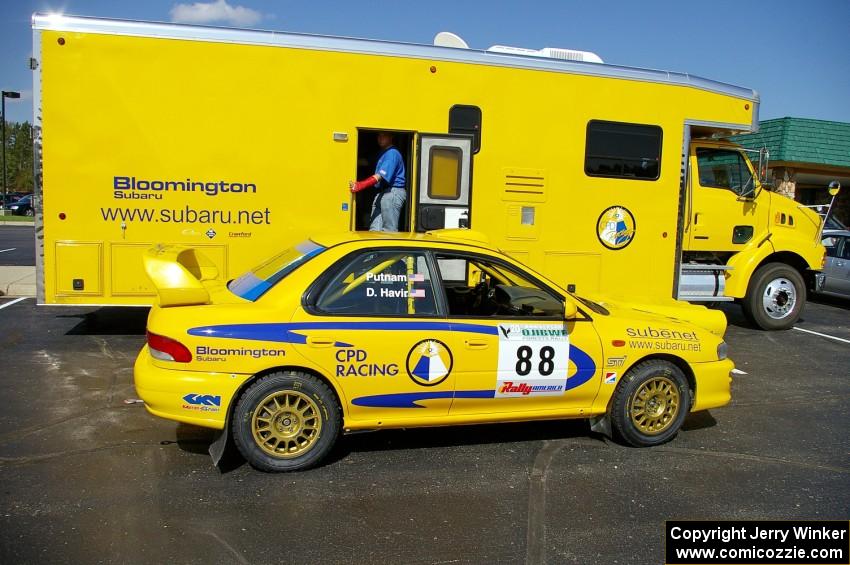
point(260, 279)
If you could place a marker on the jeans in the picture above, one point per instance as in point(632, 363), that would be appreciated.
point(386, 209)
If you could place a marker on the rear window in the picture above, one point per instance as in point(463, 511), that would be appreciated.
point(260, 279)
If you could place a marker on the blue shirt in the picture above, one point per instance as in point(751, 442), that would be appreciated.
point(390, 168)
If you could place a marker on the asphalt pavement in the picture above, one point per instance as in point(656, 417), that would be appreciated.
point(17, 245)
point(86, 477)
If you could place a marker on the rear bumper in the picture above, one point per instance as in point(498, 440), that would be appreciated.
point(193, 397)
point(714, 384)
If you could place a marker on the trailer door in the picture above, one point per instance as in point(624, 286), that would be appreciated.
point(444, 181)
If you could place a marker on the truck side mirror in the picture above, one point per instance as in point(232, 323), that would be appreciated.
point(834, 188)
point(764, 160)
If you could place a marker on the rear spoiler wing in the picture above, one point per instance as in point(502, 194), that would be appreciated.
point(178, 273)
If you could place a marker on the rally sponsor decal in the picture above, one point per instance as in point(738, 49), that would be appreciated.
point(533, 360)
point(429, 362)
point(610, 377)
point(656, 339)
point(207, 353)
point(353, 362)
point(202, 402)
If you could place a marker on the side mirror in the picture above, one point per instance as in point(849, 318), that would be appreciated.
point(764, 160)
point(834, 188)
point(570, 309)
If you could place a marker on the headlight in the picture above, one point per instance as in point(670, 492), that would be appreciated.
point(722, 350)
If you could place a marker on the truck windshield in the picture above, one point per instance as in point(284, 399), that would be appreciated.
point(260, 279)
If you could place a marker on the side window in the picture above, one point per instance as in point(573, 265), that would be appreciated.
point(631, 151)
point(380, 283)
point(480, 288)
point(722, 168)
point(845, 254)
point(831, 244)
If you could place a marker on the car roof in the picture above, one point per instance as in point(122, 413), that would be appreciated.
point(453, 236)
point(845, 233)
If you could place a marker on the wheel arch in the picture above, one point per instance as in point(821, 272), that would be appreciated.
point(677, 361)
point(343, 407)
point(743, 269)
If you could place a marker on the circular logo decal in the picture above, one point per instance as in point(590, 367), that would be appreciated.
point(616, 227)
point(429, 362)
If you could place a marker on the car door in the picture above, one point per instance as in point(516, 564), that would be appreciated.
point(372, 325)
point(514, 350)
point(837, 268)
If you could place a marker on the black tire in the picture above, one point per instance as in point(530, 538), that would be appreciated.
point(671, 402)
point(303, 416)
point(30, 212)
point(775, 297)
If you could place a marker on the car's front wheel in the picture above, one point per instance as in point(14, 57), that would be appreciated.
point(650, 403)
point(286, 422)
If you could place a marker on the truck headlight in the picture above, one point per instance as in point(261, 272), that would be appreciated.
point(722, 350)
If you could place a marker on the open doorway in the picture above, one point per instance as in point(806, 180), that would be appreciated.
point(367, 157)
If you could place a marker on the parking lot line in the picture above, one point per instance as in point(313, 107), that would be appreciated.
point(841, 339)
point(5, 250)
point(13, 302)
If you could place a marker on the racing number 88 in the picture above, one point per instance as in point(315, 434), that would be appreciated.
point(544, 368)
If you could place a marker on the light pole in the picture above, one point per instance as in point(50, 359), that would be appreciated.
point(6, 94)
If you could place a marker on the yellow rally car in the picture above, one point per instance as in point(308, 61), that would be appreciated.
point(364, 331)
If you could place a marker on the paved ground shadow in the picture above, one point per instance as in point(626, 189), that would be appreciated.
point(110, 320)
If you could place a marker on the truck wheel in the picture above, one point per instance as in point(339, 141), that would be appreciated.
point(650, 403)
point(286, 422)
point(775, 297)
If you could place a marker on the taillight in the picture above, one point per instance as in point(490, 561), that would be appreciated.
point(823, 261)
point(167, 349)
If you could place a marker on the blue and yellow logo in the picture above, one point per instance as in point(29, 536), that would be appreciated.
point(429, 362)
point(616, 227)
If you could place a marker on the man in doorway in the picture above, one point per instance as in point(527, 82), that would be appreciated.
point(389, 179)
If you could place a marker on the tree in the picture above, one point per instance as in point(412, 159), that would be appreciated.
point(19, 160)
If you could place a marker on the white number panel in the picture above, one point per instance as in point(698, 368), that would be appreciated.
point(533, 360)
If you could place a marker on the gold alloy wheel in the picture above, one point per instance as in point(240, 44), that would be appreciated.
point(655, 405)
point(286, 424)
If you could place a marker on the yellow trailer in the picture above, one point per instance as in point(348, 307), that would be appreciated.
point(239, 143)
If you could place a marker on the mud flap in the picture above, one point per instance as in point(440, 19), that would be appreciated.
point(219, 445)
point(601, 425)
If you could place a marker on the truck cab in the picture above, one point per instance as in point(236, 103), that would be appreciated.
point(742, 242)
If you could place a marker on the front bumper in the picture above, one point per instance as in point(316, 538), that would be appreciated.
point(820, 279)
point(193, 397)
point(714, 384)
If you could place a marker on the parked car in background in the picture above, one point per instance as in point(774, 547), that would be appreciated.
point(836, 272)
point(22, 207)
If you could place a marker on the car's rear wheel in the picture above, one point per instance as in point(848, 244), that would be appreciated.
point(286, 422)
point(650, 403)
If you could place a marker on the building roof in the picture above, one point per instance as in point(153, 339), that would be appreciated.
point(802, 140)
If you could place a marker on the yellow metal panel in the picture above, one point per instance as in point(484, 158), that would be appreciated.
point(580, 269)
point(80, 261)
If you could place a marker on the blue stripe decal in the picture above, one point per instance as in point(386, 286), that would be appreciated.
point(284, 333)
point(585, 368)
point(410, 399)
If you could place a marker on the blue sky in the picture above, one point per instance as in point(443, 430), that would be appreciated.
point(796, 54)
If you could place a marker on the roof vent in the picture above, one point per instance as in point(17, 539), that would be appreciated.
point(550, 52)
point(449, 39)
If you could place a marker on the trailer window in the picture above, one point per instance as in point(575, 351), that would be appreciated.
point(466, 120)
point(621, 150)
point(444, 168)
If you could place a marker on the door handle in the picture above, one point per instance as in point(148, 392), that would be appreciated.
point(476, 344)
point(320, 341)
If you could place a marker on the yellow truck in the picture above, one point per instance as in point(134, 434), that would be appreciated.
point(611, 180)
